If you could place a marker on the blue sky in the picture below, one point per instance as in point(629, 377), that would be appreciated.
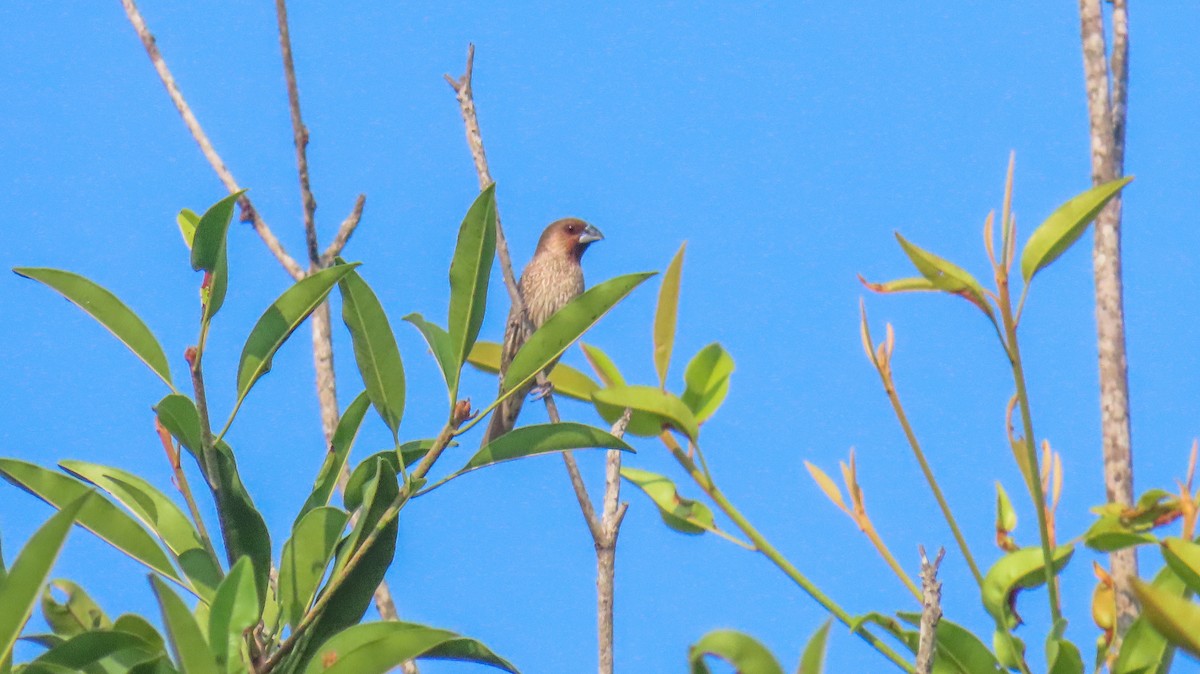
point(784, 141)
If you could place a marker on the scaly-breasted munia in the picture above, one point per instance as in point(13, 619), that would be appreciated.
point(551, 279)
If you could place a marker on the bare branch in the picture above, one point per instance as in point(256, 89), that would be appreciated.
point(299, 132)
point(345, 231)
point(1107, 154)
point(931, 611)
point(248, 211)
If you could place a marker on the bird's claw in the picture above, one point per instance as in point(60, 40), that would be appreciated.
point(541, 391)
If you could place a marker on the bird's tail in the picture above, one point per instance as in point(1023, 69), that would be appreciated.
point(505, 416)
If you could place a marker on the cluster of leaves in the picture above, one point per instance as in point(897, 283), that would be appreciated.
point(250, 612)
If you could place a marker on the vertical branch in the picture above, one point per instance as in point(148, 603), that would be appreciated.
point(604, 527)
point(1106, 116)
point(299, 132)
point(931, 611)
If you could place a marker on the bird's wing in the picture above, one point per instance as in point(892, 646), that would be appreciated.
point(505, 415)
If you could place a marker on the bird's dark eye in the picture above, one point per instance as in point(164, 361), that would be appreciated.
point(571, 229)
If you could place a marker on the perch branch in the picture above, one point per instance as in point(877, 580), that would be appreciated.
point(345, 231)
point(931, 611)
point(299, 133)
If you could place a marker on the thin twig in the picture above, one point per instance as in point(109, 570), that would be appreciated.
point(299, 133)
point(1106, 116)
point(206, 147)
point(931, 611)
point(345, 231)
point(606, 549)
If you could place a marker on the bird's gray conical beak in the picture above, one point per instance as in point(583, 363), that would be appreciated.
point(590, 234)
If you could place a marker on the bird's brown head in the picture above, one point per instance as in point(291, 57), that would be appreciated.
point(568, 237)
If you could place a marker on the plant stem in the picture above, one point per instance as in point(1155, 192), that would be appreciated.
point(893, 397)
point(1032, 480)
point(777, 558)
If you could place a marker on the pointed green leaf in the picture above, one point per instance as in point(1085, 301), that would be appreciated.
point(470, 271)
point(209, 251)
point(363, 474)
point(653, 409)
point(1110, 533)
point(1173, 617)
point(98, 515)
point(1183, 557)
point(374, 348)
point(1021, 569)
point(233, 612)
point(443, 351)
point(77, 613)
point(1063, 657)
point(665, 316)
point(707, 379)
point(177, 413)
point(746, 654)
point(548, 342)
point(903, 285)
point(95, 651)
point(375, 648)
point(542, 439)
point(161, 515)
point(187, 641)
point(306, 555)
point(1065, 225)
point(20, 590)
point(280, 320)
point(335, 459)
point(1144, 650)
point(109, 311)
point(1006, 516)
point(242, 525)
point(605, 368)
point(681, 514)
point(138, 626)
point(945, 275)
point(813, 659)
point(567, 381)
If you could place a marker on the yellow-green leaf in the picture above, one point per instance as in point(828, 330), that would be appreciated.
point(1065, 225)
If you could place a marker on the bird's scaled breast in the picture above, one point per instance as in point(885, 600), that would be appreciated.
point(547, 285)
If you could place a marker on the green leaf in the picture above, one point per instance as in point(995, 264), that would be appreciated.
point(903, 285)
point(813, 659)
point(567, 381)
point(187, 641)
point(1110, 533)
point(653, 409)
point(280, 320)
point(138, 626)
point(1018, 570)
point(335, 459)
point(1183, 557)
point(665, 316)
point(958, 650)
point(443, 351)
point(96, 651)
point(187, 221)
point(746, 654)
point(1144, 650)
point(177, 413)
point(209, 252)
point(351, 599)
point(1065, 225)
point(681, 514)
point(548, 342)
point(374, 648)
point(374, 348)
point(98, 515)
point(1062, 657)
point(234, 611)
point(1006, 516)
point(542, 439)
point(160, 515)
point(603, 365)
point(109, 311)
point(76, 614)
point(242, 525)
point(306, 555)
point(32, 566)
point(946, 275)
point(707, 379)
point(470, 271)
point(1174, 617)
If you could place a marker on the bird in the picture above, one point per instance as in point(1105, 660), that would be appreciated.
point(553, 277)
